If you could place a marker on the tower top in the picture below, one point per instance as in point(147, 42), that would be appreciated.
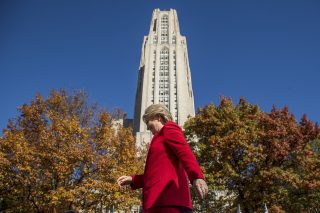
point(159, 16)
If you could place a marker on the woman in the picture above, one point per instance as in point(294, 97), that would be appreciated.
point(170, 164)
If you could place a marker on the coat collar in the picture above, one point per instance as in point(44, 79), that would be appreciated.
point(162, 129)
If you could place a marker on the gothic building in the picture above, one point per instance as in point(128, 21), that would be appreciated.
point(164, 73)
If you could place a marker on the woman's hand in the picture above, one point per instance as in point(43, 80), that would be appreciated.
point(201, 187)
point(124, 180)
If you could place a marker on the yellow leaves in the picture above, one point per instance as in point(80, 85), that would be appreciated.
point(60, 196)
point(61, 151)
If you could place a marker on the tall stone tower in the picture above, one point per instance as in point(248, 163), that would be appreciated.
point(164, 73)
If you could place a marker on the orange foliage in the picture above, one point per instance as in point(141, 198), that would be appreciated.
point(252, 157)
point(62, 153)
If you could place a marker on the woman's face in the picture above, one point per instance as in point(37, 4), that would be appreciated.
point(154, 125)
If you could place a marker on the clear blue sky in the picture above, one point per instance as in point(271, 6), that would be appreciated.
point(265, 51)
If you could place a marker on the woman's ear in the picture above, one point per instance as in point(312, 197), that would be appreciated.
point(161, 119)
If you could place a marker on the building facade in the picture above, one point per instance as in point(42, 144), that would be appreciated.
point(164, 73)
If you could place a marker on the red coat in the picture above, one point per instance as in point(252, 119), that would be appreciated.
point(170, 162)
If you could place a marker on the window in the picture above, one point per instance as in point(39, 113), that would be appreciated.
point(164, 29)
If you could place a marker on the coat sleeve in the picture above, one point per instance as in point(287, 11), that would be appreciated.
point(176, 141)
point(137, 182)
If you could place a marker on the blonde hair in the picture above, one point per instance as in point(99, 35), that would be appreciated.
point(155, 110)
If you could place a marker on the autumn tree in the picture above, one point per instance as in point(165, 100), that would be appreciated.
point(251, 157)
point(290, 170)
point(62, 153)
